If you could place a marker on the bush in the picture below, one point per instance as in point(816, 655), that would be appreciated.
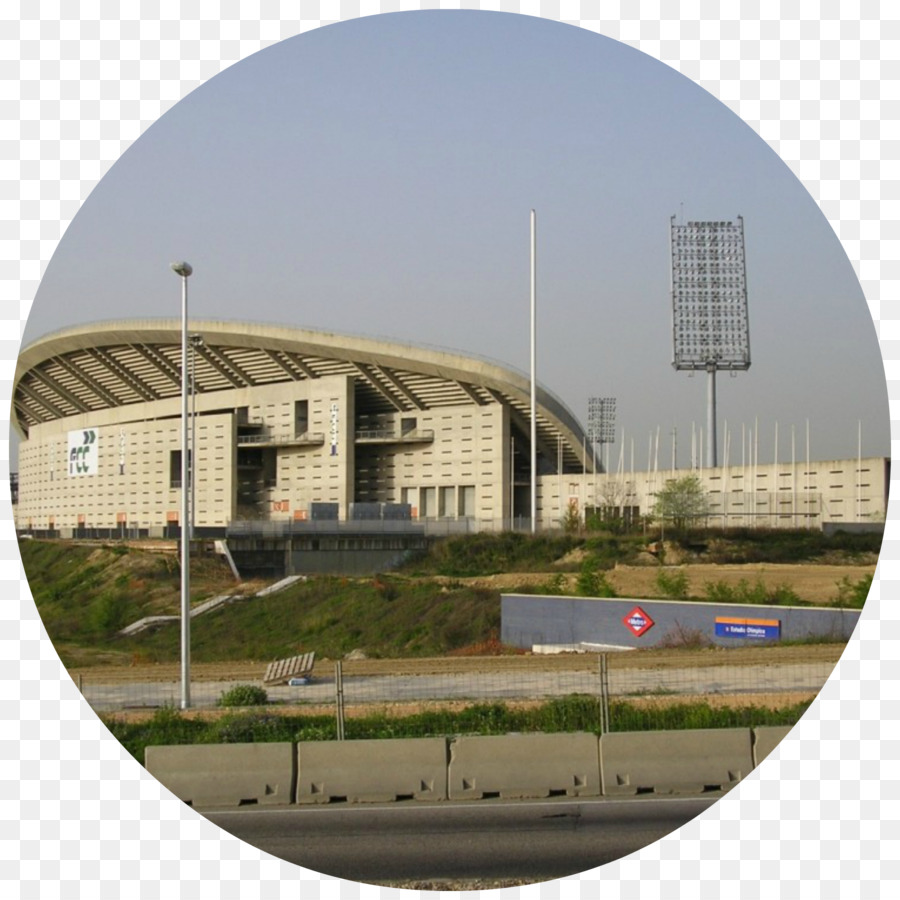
point(752, 594)
point(576, 712)
point(465, 556)
point(673, 585)
point(592, 582)
point(555, 585)
point(244, 695)
point(782, 595)
point(251, 728)
point(682, 638)
point(109, 612)
point(852, 595)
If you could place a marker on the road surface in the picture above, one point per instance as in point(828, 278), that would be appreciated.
point(530, 840)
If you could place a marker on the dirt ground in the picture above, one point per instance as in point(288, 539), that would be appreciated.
point(813, 583)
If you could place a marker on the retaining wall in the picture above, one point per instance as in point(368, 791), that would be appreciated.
point(529, 620)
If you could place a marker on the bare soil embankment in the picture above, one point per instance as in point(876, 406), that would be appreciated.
point(812, 583)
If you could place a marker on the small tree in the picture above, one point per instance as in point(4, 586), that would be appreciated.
point(681, 501)
point(571, 520)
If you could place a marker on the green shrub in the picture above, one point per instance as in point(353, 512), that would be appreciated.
point(627, 716)
point(166, 727)
point(719, 592)
point(592, 582)
point(782, 595)
point(556, 584)
point(576, 712)
point(852, 595)
point(756, 594)
point(244, 695)
point(673, 585)
point(252, 728)
point(109, 612)
point(470, 555)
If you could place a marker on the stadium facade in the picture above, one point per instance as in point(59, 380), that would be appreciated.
point(293, 426)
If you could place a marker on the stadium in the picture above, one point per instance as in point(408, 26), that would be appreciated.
point(296, 426)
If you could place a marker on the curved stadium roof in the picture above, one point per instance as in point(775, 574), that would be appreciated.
point(116, 364)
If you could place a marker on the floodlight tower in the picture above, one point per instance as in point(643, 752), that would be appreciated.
point(601, 421)
point(710, 325)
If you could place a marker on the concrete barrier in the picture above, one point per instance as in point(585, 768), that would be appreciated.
point(372, 771)
point(226, 774)
point(673, 761)
point(766, 739)
point(524, 765)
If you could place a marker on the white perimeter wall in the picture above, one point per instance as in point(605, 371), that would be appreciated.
point(782, 495)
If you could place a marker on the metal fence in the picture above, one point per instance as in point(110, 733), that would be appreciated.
point(650, 683)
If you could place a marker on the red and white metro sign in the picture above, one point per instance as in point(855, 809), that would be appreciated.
point(637, 622)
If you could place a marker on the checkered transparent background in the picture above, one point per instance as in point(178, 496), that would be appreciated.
point(81, 818)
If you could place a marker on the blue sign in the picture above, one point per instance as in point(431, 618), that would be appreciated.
point(749, 629)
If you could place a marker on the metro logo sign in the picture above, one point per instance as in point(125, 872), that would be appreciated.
point(637, 622)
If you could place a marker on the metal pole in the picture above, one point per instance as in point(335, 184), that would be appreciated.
point(183, 269)
point(712, 457)
point(339, 698)
point(193, 453)
point(533, 372)
point(604, 694)
point(512, 482)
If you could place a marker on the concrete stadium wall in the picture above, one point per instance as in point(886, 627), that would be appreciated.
point(529, 620)
point(464, 768)
point(131, 483)
point(460, 473)
point(837, 492)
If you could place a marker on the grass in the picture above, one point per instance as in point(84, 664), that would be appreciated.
point(87, 593)
point(466, 556)
point(566, 714)
point(390, 618)
point(764, 545)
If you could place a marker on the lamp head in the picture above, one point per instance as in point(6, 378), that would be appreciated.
point(182, 268)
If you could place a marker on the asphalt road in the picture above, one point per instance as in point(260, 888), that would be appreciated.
point(494, 839)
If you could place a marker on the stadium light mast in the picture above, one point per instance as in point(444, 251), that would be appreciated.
point(710, 323)
point(183, 270)
point(601, 423)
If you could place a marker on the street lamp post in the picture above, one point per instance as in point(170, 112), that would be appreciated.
point(183, 269)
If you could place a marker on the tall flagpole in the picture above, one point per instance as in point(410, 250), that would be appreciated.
point(534, 372)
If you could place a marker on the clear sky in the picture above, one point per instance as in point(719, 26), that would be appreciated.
point(375, 177)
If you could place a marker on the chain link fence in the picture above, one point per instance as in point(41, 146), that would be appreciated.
point(654, 689)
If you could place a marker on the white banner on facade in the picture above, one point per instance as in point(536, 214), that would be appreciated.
point(83, 457)
point(334, 429)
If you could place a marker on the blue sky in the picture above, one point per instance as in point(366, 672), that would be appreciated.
point(375, 177)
